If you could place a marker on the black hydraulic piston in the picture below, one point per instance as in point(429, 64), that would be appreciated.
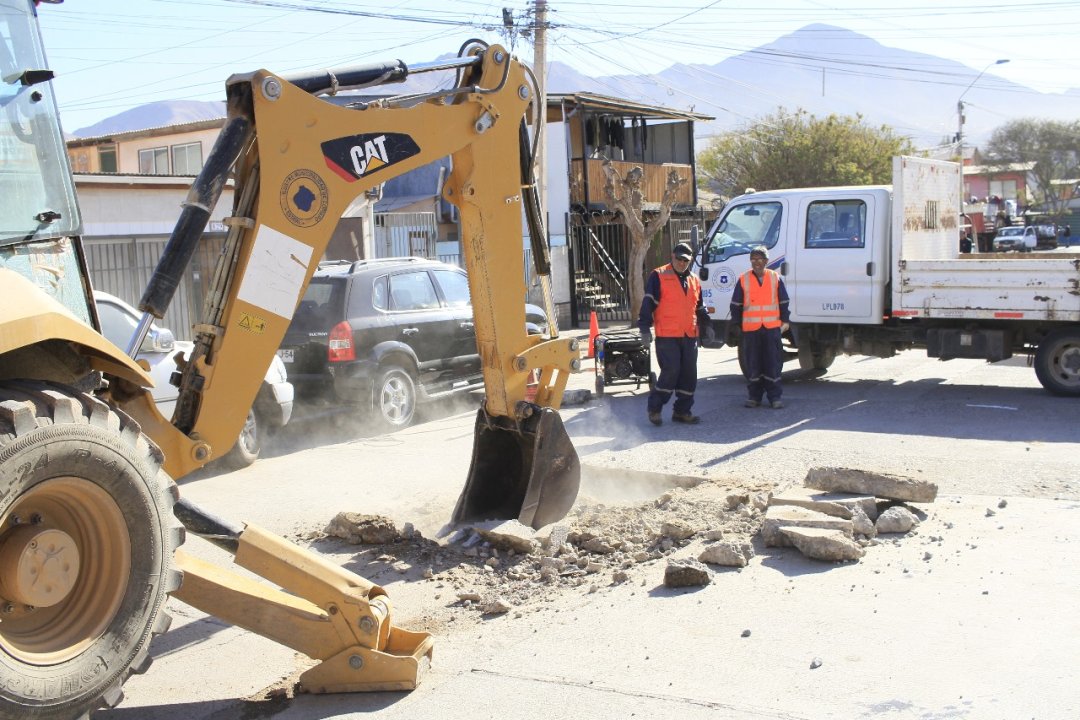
point(201, 199)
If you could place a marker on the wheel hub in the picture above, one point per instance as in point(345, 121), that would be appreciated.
point(38, 566)
point(81, 551)
point(1070, 361)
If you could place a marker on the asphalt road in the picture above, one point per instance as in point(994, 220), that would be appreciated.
point(974, 616)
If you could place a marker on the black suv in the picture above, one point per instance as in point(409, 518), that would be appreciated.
point(384, 334)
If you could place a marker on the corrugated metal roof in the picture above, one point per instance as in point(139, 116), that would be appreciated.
point(195, 126)
point(622, 106)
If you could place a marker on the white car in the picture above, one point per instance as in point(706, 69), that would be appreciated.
point(1020, 239)
point(273, 405)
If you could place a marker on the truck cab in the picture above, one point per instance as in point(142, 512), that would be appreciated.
point(830, 245)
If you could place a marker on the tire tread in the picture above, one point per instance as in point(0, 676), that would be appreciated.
point(32, 405)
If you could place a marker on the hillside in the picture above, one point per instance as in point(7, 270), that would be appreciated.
point(858, 76)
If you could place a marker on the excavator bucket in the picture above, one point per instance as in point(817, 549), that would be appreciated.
point(526, 470)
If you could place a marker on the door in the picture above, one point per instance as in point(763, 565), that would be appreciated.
point(453, 285)
point(420, 321)
point(831, 278)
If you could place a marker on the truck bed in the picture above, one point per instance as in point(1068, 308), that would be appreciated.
point(1005, 287)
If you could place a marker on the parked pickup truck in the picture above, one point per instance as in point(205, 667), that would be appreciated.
point(872, 270)
point(1020, 239)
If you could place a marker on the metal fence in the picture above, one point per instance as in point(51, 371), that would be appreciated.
point(123, 266)
point(405, 234)
point(600, 257)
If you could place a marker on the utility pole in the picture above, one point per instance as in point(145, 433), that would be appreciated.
point(540, 69)
point(960, 121)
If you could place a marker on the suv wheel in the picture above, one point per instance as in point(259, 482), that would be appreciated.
point(247, 447)
point(395, 397)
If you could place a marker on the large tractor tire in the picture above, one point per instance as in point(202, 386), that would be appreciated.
point(87, 537)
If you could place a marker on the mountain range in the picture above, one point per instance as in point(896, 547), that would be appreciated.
point(819, 68)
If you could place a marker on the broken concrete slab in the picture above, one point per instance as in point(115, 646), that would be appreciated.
point(729, 554)
point(862, 523)
point(677, 529)
point(893, 487)
point(896, 520)
point(360, 529)
point(838, 504)
point(823, 544)
point(779, 516)
point(686, 572)
point(507, 535)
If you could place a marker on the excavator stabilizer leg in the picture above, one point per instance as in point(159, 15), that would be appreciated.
point(521, 469)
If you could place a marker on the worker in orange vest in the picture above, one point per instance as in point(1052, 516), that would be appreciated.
point(672, 307)
point(759, 315)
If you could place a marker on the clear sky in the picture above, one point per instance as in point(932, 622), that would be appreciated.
point(111, 55)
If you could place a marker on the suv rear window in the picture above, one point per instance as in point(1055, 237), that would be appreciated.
point(323, 302)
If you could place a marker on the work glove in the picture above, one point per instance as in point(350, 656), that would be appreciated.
point(784, 328)
point(733, 334)
point(646, 336)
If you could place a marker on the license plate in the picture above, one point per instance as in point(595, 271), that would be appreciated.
point(285, 355)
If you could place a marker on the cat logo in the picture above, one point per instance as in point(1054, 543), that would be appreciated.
point(358, 156)
point(371, 155)
point(303, 198)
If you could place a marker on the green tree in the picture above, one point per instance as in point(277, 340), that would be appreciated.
point(1054, 148)
point(797, 149)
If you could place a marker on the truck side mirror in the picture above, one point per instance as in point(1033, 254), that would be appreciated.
point(158, 340)
point(704, 274)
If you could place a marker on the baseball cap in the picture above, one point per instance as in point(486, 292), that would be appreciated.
point(683, 251)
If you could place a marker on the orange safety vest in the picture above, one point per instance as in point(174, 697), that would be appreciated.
point(676, 313)
point(761, 302)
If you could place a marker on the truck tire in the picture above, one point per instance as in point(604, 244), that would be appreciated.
point(1057, 361)
point(83, 479)
point(816, 357)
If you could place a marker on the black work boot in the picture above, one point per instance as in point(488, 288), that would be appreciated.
point(686, 418)
point(655, 419)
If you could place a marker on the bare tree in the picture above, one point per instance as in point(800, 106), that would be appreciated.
point(624, 194)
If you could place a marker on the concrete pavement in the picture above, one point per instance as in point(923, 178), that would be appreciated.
point(974, 616)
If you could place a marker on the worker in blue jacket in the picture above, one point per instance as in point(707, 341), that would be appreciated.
point(672, 307)
point(759, 317)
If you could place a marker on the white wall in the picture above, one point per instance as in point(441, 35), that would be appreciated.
point(136, 206)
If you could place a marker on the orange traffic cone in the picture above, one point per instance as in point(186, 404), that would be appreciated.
point(594, 330)
point(532, 385)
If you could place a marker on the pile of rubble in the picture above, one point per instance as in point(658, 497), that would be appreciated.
point(839, 512)
point(499, 567)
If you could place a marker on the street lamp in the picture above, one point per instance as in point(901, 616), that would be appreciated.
point(960, 115)
point(960, 131)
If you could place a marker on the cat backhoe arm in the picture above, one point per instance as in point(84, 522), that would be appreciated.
point(298, 161)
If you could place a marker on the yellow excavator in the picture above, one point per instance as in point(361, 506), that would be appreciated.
point(90, 518)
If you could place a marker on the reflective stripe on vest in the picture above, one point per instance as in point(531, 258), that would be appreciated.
point(761, 302)
point(676, 314)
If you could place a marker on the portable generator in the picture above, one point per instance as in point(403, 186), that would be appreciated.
point(621, 356)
